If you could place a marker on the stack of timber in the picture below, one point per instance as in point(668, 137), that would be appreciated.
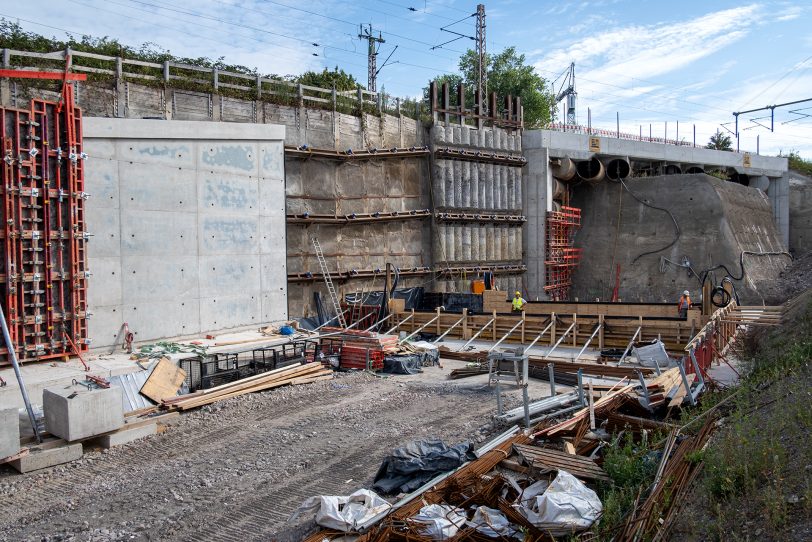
point(667, 389)
point(291, 375)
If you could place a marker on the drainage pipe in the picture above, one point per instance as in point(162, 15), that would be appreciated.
point(618, 168)
point(564, 169)
point(590, 171)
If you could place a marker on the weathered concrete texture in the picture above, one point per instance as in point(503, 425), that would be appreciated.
point(800, 213)
point(189, 226)
point(462, 186)
point(9, 432)
point(42, 457)
point(75, 412)
point(717, 221)
point(126, 435)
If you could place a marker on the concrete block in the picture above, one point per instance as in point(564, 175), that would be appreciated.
point(125, 435)
point(74, 412)
point(43, 457)
point(9, 432)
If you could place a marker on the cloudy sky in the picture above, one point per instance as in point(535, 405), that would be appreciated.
point(651, 62)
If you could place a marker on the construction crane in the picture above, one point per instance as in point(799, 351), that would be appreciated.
point(567, 90)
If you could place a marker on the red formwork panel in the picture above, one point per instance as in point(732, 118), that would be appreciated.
point(44, 269)
point(560, 258)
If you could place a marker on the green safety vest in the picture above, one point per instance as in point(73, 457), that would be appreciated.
point(517, 303)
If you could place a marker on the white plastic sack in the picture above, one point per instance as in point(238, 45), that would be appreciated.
point(494, 523)
point(343, 513)
point(566, 506)
point(439, 521)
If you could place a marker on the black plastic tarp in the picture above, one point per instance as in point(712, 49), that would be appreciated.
point(411, 466)
point(412, 297)
point(403, 364)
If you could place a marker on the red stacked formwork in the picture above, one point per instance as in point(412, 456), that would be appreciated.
point(561, 259)
point(44, 279)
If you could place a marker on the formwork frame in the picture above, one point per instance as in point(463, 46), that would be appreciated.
point(561, 258)
point(44, 271)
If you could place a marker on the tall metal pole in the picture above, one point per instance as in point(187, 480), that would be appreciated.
point(372, 55)
point(12, 355)
point(482, 76)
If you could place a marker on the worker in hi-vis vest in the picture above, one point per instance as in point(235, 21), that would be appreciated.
point(518, 302)
point(684, 304)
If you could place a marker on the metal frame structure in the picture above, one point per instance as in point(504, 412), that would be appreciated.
point(561, 259)
point(44, 272)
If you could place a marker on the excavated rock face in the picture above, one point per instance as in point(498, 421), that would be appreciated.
point(715, 222)
point(800, 214)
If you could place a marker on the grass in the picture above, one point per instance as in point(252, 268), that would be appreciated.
point(755, 481)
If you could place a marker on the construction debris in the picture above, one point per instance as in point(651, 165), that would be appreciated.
point(409, 467)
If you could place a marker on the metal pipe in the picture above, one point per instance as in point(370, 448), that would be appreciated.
point(551, 377)
point(455, 324)
point(330, 320)
point(581, 386)
point(631, 342)
point(586, 344)
point(12, 355)
point(591, 171)
point(359, 321)
point(539, 336)
point(506, 335)
point(379, 322)
point(393, 328)
point(572, 325)
point(418, 330)
point(564, 170)
point(478, 333)
point(618, 168)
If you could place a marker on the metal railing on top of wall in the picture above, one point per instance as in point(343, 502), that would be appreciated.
point(123, 69)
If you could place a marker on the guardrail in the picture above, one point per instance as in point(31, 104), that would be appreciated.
point(166, 72)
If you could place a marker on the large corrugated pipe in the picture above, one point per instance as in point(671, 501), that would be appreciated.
point(558, 189)
point(564, 170)
point(591, 171)
point(618, 168)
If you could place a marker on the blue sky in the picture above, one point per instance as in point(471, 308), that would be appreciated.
point(652, 62)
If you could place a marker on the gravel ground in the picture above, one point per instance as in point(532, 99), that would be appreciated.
point(236, 470)
point(794, 280)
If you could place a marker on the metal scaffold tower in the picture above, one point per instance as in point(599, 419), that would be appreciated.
point(561, 258)
point(482, 82)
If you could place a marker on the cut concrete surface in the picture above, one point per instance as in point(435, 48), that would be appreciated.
point(49, 455)
point(9, 432)
point(718, 220)
point(75, 412)
point(125, 435)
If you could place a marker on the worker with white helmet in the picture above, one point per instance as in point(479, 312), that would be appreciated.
point(518, 302)
point(684, 304)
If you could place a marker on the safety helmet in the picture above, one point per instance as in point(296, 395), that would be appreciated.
point(518, 293)
point(686, 292)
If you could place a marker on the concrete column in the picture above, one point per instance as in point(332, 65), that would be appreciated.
point(438, 182)
point(536, 200)
point(449, 184)
point(483, 243)
point(490, 189)
point(465, 180)
point(483, 185)
point(448, 232)
point(466, 242)
point(474, 189)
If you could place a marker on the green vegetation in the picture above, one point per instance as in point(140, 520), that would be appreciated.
point(339, 79)
point(797, 163)
point(508, 74)
point(720, 142)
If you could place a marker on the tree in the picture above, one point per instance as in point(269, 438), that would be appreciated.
point(326, 79)
point(508, 74)
point(720, 142)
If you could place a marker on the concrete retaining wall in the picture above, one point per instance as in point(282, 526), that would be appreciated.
point(470, 187)
point(800, 214)
point(188, 221)
point(717, 221)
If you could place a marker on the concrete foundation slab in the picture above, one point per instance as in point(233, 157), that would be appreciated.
point(9, 432)
point(41, 458)
point(125, 435)
point(74, 412)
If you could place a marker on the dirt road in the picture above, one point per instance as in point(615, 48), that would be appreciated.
point(237, 469)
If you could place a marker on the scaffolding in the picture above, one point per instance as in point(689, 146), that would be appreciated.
point(44, 273)
point(561, 258)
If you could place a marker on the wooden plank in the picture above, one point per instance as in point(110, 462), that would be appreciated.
point(164, 381)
